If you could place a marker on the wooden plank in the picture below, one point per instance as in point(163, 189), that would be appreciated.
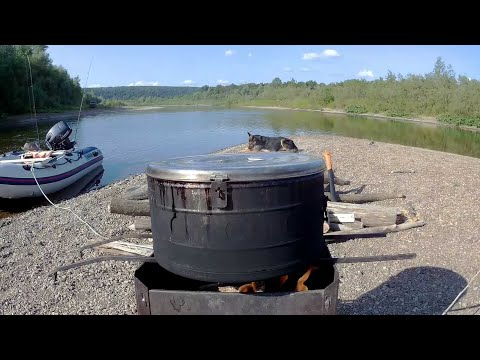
point(130, 248)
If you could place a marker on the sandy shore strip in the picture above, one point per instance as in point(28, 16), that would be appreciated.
point(444, 190)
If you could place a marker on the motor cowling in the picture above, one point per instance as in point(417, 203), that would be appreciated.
point(57, 137)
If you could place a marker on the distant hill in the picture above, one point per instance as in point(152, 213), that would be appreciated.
point(136, 92)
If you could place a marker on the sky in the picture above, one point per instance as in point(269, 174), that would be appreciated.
point(198, 65)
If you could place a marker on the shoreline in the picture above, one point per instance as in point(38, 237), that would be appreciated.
point(427, 284)
point(425, 120)
point(26, 119)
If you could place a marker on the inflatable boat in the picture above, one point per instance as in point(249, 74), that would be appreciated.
point(30, 172)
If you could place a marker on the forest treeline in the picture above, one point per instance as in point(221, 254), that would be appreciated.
point(441, 93)
point(140, 94)
point(53, 88)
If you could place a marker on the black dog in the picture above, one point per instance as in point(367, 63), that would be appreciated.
point(259, 142)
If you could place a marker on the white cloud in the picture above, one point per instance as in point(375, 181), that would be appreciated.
point(229, 52)
point(222, 82)
point(311, 56)
point(287, 69)
point(250, 54)
point(144, 83)
point(96, 86)
point(188, 82)
point(366, 73)
point(328, 53)
point(305, 69)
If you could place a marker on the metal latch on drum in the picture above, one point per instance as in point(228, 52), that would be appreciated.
point(218, 191)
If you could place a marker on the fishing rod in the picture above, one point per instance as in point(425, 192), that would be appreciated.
point(81, 102)
point(33, 98)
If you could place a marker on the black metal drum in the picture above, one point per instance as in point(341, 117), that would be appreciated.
point(237, 217)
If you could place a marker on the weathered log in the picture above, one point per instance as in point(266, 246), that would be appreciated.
point(129, 207)
point(136, 192)
point(345, 226)
point(364, 198)
point(369, 215)
point(378, 230)
point(143, 223)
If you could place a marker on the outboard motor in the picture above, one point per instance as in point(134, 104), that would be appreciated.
point(57, 137)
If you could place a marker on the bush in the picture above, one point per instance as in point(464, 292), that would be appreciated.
point(458, 120)
point(397, 113)
point(356, 109)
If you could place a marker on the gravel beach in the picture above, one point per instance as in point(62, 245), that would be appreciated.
point(444, 190)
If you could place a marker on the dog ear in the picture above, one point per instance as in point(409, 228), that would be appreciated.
point(249, 135)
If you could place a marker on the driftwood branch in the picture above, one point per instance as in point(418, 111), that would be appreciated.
point(364, 198)
point(378, 229)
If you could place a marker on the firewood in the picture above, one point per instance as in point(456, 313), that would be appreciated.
point(369, 215)
point(129, 207)
point(136, 192)
point(143, 224)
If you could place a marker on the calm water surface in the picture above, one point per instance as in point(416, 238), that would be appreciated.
point(131, 140)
